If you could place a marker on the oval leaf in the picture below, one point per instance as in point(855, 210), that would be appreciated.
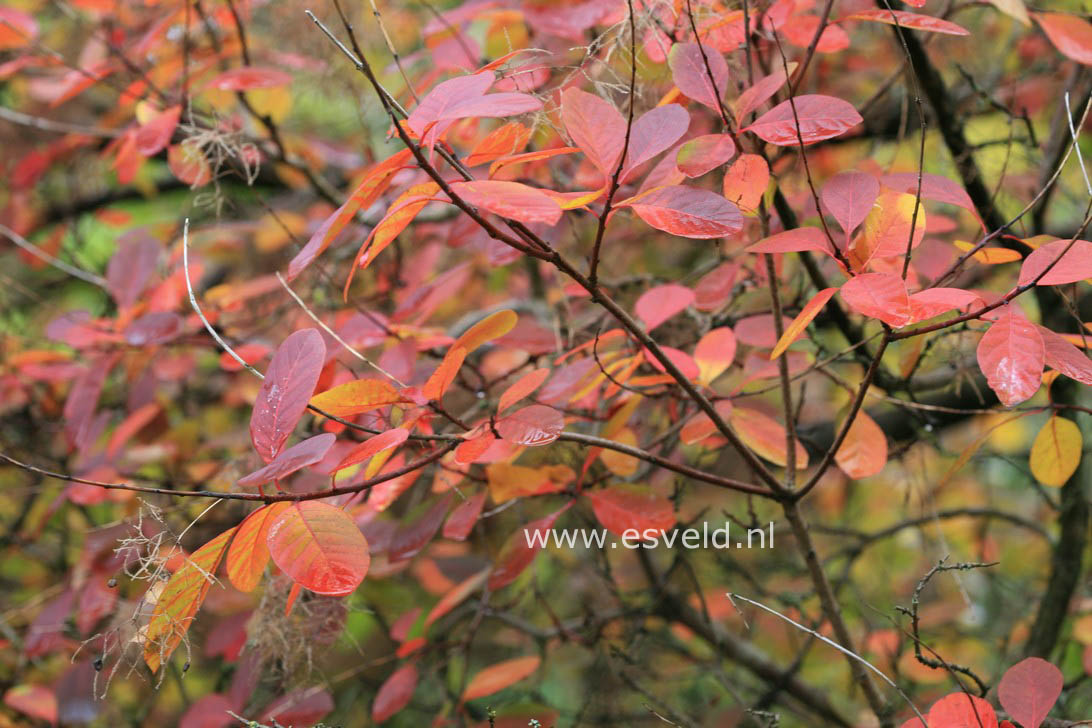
point(300, 455)
point(1056, 453)
point(536, 424)
point(395, 693)
point(688, 212)
point(288, 385)
point(497, 677)
point(1011, 354)
point(880, 296)
point(1029, 689)
point(249, 553)
point(320, 548)
point(820, 117)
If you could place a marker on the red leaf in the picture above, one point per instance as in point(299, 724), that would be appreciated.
point(624, 507)
point(660, 303)
point(1070, 34)
point(520, 549)
point(373, 446)
point(715, 287)
point(16, 28)
point(300, 455)
point(250, 77)
point(759, 93)
point(536, 424)
point(1029, 689)
point(153, 136)
point(320, 548)
point(910, 20)
point(849, 197)
point(249, 553)
point(497, 677)
point(705, 153)
point(462, 519)
point(595, 126)
point(881, 296)
point(653, 133)
point(1061, 355)
point(300, 708)
point(688, 212)
point(34, 700)
point(821, 117)
point(131, 266)
point(210, 711)
point(960, 710)
point(1011, 354)
point(1075, 265)
point(688, 68)
point(413, 535)
point(395, 693)
point(288, 385)
point(456, 595)
point(154, 328)
point(794, 241)
point(511, 200)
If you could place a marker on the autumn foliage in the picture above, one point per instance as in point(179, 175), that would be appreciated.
point(320, 324)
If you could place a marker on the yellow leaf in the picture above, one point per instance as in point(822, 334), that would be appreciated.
point(619, 463)
point(766, 436)
point(508, 481)
point(1056, 452)
point(490, 327)
point(1014, 9)
point(989, 256)
point(181, 598)
point(355, 397)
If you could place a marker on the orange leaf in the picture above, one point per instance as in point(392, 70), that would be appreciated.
point(489, 328)
point(766, 436)
point(248, 554)
point(864, 451)
point(497, 677)
point(507, 139)
point(626, 508)
point(444, 375)
point(455, 597)
point(526, 384)
point(796, 328)
point(714, 353)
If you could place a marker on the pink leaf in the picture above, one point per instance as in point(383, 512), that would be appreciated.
point(510, 199)
point(395, 693)
point(300, 455)
point(821, 117)
point(1011, 354)
point(443, 98)
point(1029, 689)
point(935, 301)
point(660, 303)
point(705, 153)
point(1075, 265)
point(299, 708)
point(289, 383)
point(759, 93)
point(652, 133)
point(688, 68)
point(795, 240)
point(463, 517)
point(910, 20)
point(519, 550)
point(536, 424)
point(249, 77)
point(849, 196)
point(1070, 34)
point(1061, 355)
point(688, 212)
point(624, 507)
point(880, 296)
point(595, 126)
